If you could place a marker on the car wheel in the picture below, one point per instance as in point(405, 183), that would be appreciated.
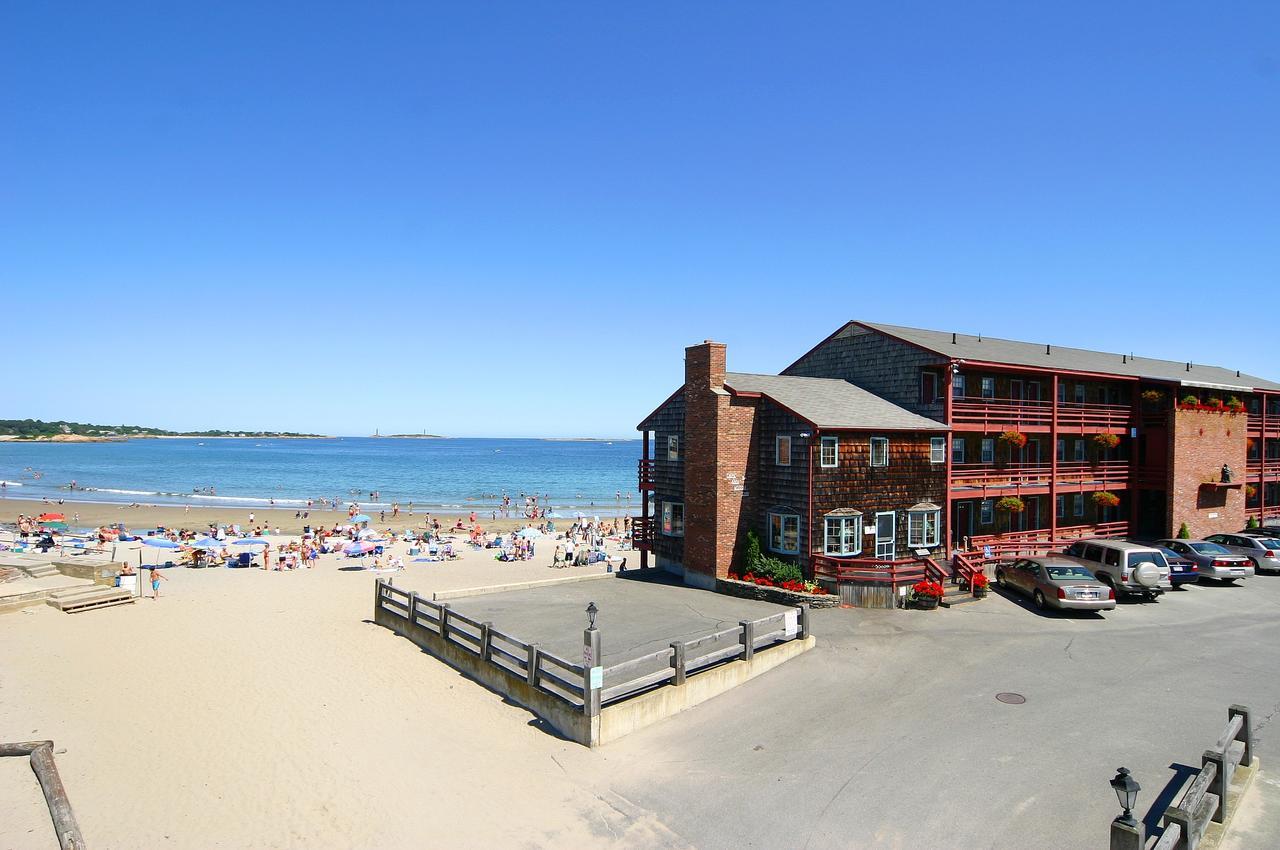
point(1041, 603)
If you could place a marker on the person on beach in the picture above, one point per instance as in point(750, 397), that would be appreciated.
point(395, 509)
point(156, 575)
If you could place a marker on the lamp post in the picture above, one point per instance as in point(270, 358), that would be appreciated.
point(592, 610)
point(1127, 833)
point(592, 671)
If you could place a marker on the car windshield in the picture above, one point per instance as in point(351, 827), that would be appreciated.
point(1069, 573)
point(1209, 549)
point(1153, 556)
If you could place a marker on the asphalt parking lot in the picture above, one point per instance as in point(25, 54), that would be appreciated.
point(889, 733)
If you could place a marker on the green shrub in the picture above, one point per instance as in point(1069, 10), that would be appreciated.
point(1253, 523)
point(760, 564)
point(1183, 532)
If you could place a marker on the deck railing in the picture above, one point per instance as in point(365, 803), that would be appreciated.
point(1066, 535)
point(979, 476)
point(893, 571)
point(645, 474)
point(642, 532)
point(996, 414)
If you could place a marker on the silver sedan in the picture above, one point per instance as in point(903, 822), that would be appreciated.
point(1214, 560)
point(1057, 583)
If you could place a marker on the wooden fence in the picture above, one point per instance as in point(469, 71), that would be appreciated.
point(871, 583)
point(583, 687)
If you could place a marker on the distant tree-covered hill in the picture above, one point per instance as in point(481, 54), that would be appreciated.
point(35, 429)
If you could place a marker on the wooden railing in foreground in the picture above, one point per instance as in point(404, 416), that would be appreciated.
point(1206, 799)
point(893, 571)
point(574, 683)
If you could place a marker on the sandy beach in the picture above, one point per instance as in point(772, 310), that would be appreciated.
point(247, 708)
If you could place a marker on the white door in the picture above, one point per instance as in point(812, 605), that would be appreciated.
point(885, 535)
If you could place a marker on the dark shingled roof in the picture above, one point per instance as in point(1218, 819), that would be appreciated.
point(832, 403)
point(1010, 352)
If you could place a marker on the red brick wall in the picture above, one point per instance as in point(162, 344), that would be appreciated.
point(1200, 443)
point(718, 435)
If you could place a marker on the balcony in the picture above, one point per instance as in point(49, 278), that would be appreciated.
point(1273, 424)
point(642, 531)
point(1270, 468)
point(978, 479)
point(645, 474)
point(1033, 416)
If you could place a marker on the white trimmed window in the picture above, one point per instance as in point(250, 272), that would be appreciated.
point(829, 452)
point(957, 386)
point(957, 449)
point(986, 512)
point(1077, 504)
point(922, 529)
point(673, 519)
point(784, 533)
point(782, 450)
point(1079, 393)
point(673, 447)
point(879, 451)
point(842, 535)
point(988, 387)
point(988, 450)
point(938, 449)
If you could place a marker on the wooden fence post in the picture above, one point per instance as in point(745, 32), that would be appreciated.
point(1220, 782)
point(677, 661)
point(377, 593)
point(413, 608)
point(486, 640)
point(1190, 839)
point(531, 671)
point(444, 621)
point(747, 639)
point(1246, 731)
point(590, 663)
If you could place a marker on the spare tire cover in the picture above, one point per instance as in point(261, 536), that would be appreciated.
point(1147, 574)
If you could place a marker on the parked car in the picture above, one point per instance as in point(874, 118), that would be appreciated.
point(1181, 570)
point(1215, 561)
point(1057, 582)
point(1128, 568)
point(1264, 552)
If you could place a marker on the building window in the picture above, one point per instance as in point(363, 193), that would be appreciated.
point(988, 450)
point(782, 450)
point(879, 451)
point(957, 386)
point(673, 447)
point(1077, 504)
point(784, 533)
point(922, 529)
point(1079, 393)
point(938, 449)
point(1079, 450)
point(1061, 506)
point(986, 511)
point(673, 519)
point(1062, 449)
point(957, 449)
point(829, 453)
point(988, 387)
point(842, 535)
point(928, 387)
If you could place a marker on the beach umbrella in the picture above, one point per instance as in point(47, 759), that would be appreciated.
point(362, 548)
point(530, 532)
point(207, 543)
point(368, 532)
point(54, 526)
point(360, 518)
point(44, 517)
point(160, 542)
point(250, 541)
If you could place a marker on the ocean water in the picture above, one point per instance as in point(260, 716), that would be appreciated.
point(454, 475)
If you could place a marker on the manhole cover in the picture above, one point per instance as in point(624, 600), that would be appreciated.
point(1011, 699)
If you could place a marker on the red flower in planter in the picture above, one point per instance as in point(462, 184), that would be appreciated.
point(980, 580)
point(927, 588)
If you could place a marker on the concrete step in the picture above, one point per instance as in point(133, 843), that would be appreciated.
point(83, 599)
point(954, 595)
point(42, 571)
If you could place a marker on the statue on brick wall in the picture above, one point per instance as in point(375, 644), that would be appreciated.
point(1226, 474)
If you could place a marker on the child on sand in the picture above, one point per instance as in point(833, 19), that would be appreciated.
point(156, 575)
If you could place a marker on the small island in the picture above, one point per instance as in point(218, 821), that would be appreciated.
point(37, 430)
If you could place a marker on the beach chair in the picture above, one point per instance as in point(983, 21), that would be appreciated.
point(245, 559)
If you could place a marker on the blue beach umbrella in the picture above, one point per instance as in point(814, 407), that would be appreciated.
point(207, 543)
point(250, 541)
point(360, 518)
point(160, 542)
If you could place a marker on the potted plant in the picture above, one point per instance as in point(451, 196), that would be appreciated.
point(925, 595)
point(1190, 402)
point(1011, 504)
point(1106, 499)
point(1235, 405)
point(1183, 532)
point(1106, 441)
point(1152, 396)
point(980, 585)
point(1250, 490)
point(1013, 439)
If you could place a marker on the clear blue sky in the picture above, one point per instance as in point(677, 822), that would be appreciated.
point(509, 219)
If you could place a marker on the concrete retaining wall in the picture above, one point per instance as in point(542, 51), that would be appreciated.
point(747, 590)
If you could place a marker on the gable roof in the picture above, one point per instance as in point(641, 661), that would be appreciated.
point(831, 403)
point(1010, 352)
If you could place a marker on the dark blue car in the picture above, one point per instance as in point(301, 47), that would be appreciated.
point(1181, 570)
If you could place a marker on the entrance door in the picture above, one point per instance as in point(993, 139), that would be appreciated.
point(963, 526)
point(1033, 390)
point(1015, 388)
point(1032, 513)
point(885, 543)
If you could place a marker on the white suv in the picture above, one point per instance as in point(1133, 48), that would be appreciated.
point(1125, 567)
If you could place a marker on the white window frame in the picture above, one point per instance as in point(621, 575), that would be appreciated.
point(884, 441)
point(779, 459)
point(957, 449)
point(1080, 391)
point(842, 535)
point(669, 517)
point(988, 450)
point(957, 386)
point(1077, 504)
point(986, 512)
point(834, 444)
point(988, 389)
point(919, 533)
point(937, 450)
point(782, 521)
point(673, 447)
point(1079, 451)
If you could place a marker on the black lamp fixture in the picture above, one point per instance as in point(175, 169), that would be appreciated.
point(592, 610)
point(1126, 788)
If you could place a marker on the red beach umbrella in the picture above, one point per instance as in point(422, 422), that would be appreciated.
point(51, 517)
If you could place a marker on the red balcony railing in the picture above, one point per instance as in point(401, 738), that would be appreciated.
point(889, 571)
point(1036, 541)
point(1270, 468)
point(997, 414)
point(1255, 425)
point(642, 531)
point(645, 474)
point(985, 476)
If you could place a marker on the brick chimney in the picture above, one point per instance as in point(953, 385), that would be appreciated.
point(718, 455)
